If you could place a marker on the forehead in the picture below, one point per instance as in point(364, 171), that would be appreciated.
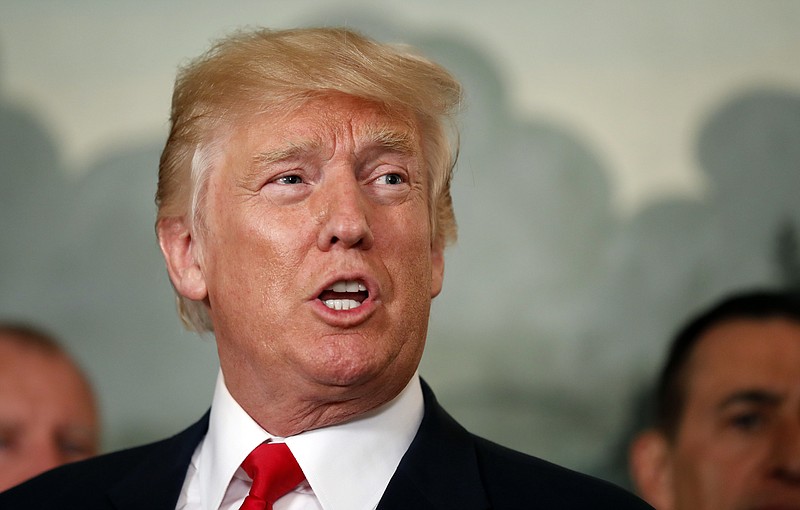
point(34, 373)
point(333, 117)
point(746, 352)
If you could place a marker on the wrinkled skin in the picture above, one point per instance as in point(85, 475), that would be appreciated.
point(334, 191)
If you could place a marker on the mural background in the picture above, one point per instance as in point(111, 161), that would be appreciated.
point(622, 164)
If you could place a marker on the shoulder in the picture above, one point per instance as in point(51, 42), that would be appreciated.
point(507, 478)
point(86, 481)
point(510, 475)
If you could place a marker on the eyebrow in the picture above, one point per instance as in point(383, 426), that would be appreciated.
point(385, 138)
point(399, 141)
point(751, 396)
point(292, 150)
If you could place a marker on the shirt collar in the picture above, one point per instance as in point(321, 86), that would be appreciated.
point(367, 450)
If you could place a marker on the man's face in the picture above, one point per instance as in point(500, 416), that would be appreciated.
point(317, 260)
point(738, 446)
point(47, 414)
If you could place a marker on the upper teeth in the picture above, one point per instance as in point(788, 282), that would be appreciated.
point(347, 286)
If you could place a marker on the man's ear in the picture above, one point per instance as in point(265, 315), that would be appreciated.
point(437, 268)
point(177, 245)
point(650, 467)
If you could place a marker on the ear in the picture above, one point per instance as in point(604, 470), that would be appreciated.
point(437, 268)
point(650, 468)
point(178, 247)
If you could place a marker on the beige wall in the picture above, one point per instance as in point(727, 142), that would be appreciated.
point(622, 165)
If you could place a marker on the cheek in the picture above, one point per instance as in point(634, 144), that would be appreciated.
point(410, 254)
point(255, 243)
point(413, 279)
point(714, 472)
point(409, 228)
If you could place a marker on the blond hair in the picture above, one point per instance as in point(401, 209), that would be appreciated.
point(258, 71)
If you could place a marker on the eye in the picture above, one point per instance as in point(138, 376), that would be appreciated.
point(288, 186)
point(289, 179)
point(390, 179)
point(75, 446)
point(75, 450)
point(7, 437)
point(747, 421)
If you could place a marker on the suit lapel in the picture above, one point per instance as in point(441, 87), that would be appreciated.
point(440, 468)
point(155, 483)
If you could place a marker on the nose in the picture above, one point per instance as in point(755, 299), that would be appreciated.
point(786, 451)
point(345, 213)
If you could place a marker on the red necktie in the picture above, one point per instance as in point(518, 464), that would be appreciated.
point(274, 471)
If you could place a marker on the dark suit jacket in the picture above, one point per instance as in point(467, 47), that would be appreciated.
point(445, 467)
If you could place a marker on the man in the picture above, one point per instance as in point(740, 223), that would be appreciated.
point(304, 208)
point(727, 435)
point(48, 415)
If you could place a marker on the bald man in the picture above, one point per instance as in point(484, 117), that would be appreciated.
point(48, 414)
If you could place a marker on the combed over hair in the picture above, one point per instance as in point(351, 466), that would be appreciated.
point(264, 71)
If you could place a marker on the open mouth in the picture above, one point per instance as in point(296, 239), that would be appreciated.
point(344, 295)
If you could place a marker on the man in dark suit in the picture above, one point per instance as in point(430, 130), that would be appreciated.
point(726, 431)
point(303, 211)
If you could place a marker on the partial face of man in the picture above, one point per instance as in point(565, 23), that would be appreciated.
point(47, 414)
point(738, 446)
point(317, 260)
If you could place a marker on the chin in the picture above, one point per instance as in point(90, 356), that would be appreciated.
point(359, 379)
point(347, 373)
point(355, 364)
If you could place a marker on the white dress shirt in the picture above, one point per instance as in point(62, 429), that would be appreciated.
point(347, 466)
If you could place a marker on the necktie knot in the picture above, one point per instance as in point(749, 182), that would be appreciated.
point(274, 471)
